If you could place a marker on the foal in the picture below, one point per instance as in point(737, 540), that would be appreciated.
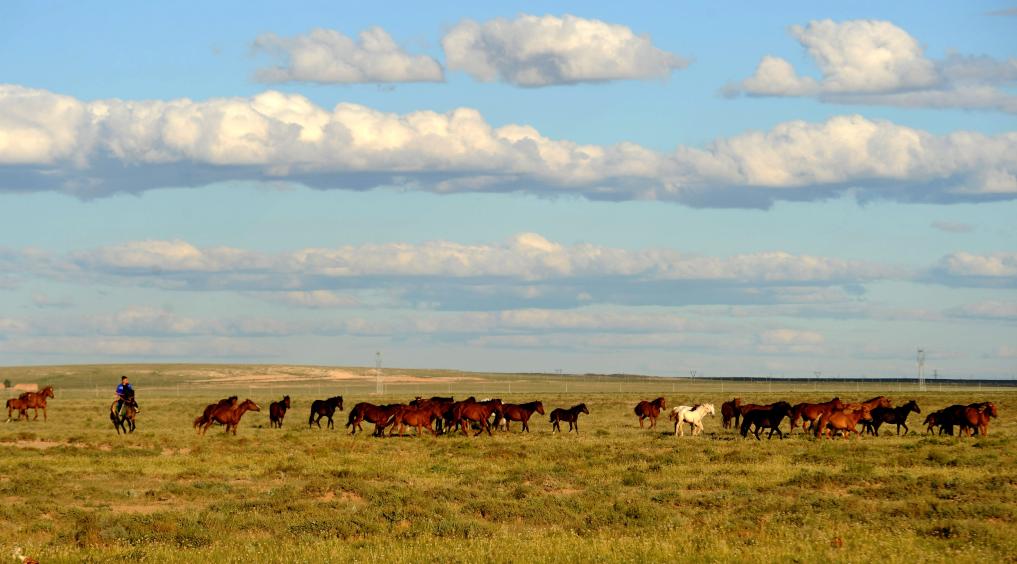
point(277, 411)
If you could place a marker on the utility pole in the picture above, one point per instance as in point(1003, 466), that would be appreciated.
point(921, 369)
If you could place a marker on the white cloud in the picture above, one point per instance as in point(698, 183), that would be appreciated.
point(953, 226)
point(547, 50)
point(790, 341)
point(103, 147)
point(524, 257)
point(313, 299)
point(991, 309)
point(876, 62)
point(996, 270)
point(327, 56)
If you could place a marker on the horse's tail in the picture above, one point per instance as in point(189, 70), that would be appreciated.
point(353, 415)
point(199, 420)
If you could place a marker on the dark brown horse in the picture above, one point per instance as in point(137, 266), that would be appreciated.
point(324, 408)
point(449, 415)
point(765, 417)
point(476, 412)
point(420, 416)
point(36, 400)
point(729, 411)
point(649, 410)
point(521, 412)
point(229, 415)
point(19, 405)
point(206, 415)
point(972, 417)
point(380, 415)
point(896, 415)
point(442, 405)
point(277, 412)
point(811, 412)
point(125, 422)
point(570, 415)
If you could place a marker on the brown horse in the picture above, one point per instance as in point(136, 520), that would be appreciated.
point(125, 423)
point(419, 416)
point(729, 411)
point(18, 404)
point(324, 408)
point(897, 415)
point(449, 415)
point(846, 421)
point(277, 411)
point(37, 400)
point(521, 412)
point(229, 415)
point(765, 417)
point(206, 415)
point(476, 412)
point(972, 417)
point(812, 412)
point(441, 405)
point(377, 414)
point(571, 415)
point(649, 410)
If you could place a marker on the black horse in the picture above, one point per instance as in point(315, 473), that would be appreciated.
point(324, 408)
point(898, 415)
point(769, 418)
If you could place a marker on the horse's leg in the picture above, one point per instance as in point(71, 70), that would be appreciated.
point(331, 424)
point(640, 421)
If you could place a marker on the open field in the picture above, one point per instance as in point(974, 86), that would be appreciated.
point(72, 490)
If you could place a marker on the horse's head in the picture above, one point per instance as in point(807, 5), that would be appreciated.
point(540, 408)
point(286, 401)
point(47, 392)
point(582, 408)
point(708, 408)
point(990, 409)
point(660, 403)
point(339, 402)
point(913, 406)
point(249, 405)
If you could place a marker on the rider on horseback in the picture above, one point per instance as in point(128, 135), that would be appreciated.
point(125, 397)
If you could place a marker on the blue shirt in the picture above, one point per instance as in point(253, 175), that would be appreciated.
point(125, 390)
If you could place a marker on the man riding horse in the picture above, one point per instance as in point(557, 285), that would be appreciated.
point(125, 397)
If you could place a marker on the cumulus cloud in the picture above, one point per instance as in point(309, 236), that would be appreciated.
point(876, 62)
point(54, 142)
point(953, 226)
point(997, 270)
point(991, 309)
point(790, 341)
point(533, 51)
point(327, 56)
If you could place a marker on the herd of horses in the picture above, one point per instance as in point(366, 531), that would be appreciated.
point(437, 415)
point(443, 415)
point(835, 416)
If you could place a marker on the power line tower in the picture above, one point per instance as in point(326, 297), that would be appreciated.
point(379, 386)
point(921, 370)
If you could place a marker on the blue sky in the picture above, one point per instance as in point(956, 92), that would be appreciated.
point(732, 188)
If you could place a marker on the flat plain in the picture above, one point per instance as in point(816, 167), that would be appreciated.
point(72, 490)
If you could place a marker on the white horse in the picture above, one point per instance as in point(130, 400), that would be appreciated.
point(691, 415)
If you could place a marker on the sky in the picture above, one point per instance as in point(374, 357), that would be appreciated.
point(735, 189)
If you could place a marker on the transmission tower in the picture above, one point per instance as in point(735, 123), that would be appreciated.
point(379, 385)
point(921, 369)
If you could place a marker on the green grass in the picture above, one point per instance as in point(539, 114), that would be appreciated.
point(72, 490)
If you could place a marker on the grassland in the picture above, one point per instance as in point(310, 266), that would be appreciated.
point(71, 490)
